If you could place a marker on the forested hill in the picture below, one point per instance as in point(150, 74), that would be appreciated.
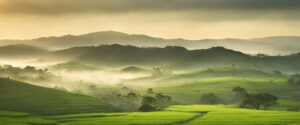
point(176, 57)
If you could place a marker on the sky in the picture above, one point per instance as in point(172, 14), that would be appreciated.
point(190, 19)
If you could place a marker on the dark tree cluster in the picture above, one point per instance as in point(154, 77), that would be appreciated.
point(254, 101)
point(124, 102)
point(294, 80)
point(133, 101)
point(240, 92)
point(211, 99)
point(29, 73)
point(158, 102)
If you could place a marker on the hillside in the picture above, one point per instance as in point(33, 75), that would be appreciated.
point(223, 72)
point(268, 45)
point(23, 97)
point(176, 58)
point(20, 51)
point(190, 92)
point(73, 66)
point(211, 73)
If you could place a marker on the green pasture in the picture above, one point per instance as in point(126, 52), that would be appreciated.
point(174, 115)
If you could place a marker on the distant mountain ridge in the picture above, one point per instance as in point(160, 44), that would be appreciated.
point(268, 45)
point(20, 51)
point(175, 57)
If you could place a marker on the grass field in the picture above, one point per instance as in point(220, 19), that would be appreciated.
point(25, 104)
point(220, 115)
point(190, 92)
point(23, 97)
point(175, 115)
point(187, 77)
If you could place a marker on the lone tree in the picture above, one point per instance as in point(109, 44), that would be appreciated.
point(240, 92)
point(254, 101)
point(210, 98)
point(249, 101)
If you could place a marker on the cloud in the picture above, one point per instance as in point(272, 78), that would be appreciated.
point(193, 9)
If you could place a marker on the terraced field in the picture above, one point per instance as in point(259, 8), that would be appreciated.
point(190, 92)
point(175, 115)
point(23, 97)
point(220, 115)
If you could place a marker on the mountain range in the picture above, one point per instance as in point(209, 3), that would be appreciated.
point(173, 57)
point(283, 45)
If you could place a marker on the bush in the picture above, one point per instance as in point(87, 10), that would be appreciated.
point(294, 80)
point(210, 98)
point(147, 108)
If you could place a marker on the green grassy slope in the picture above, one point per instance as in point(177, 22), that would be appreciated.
point(219, 115)
point(20, 51)
point(174, 115)
point(190, 92)
point(74, 66)
point(220, 72)
point(183, 78)
point(18, 96)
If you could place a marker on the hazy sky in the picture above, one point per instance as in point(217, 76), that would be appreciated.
point(191, 19)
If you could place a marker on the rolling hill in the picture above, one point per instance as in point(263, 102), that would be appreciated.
point(133, 69)
point(176, 58)
point(21, 51)
point(224, 72)
point(23, 97)
point(268, 45)
point(73, 66)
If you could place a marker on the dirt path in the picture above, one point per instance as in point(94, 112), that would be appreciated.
point(190, 119)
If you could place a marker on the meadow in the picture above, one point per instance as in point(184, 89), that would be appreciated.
point(23, 97)
point(174, 115)
point(26, 104)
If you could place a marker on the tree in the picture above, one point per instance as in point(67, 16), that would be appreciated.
point(131, 100)
point(29, 68)
point(148, 100)
point(256, 100)
point(162, 101)
point(210, 98)
point(240, 92)
point(148, 104)
point(249, 101)
point(294, 80)
point(132, 97)
point(158, 102)
point(278, 73)
point(267, 100)
point(146, 108)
